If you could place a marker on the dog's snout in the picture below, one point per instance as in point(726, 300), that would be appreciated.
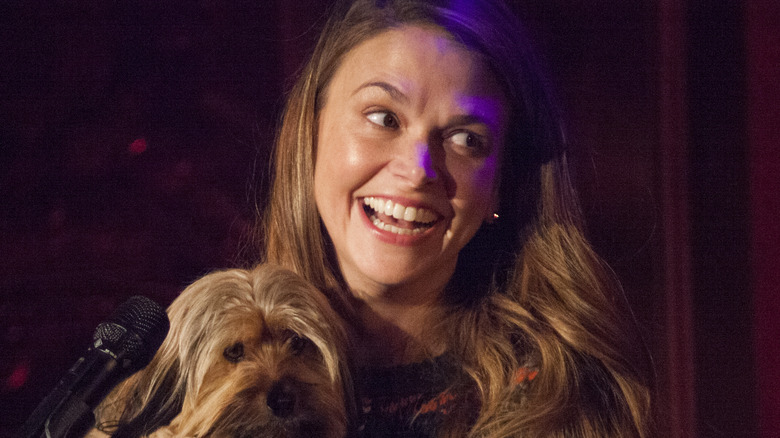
point(282, 398)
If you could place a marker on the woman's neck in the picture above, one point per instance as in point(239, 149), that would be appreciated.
point(395, 331)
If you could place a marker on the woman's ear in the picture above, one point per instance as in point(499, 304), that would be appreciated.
point(492, 213)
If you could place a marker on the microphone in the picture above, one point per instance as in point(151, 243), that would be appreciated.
point(122, 345)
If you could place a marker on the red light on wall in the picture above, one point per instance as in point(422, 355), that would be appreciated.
point(18, 376)
point(138, 146)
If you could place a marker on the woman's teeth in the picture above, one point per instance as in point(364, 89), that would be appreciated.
point(399, 211)
point(420, 218)
point(395, 230)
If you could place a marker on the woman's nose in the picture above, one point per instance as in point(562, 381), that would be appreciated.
point(416, 164)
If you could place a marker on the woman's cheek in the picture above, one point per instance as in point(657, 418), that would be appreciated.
point(476, 183)
point(364, 153)
point(486, 176)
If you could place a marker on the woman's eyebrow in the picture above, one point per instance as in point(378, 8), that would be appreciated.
point(470, 119)
point(479, 109)
point(394, 92)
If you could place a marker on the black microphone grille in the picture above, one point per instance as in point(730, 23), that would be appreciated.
point(137, 328)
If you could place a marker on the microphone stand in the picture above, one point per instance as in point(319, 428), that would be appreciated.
point(65, 413)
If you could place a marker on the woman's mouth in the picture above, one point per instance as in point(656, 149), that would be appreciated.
point(397, 218)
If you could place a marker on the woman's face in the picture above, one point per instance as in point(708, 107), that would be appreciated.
point(407, 160)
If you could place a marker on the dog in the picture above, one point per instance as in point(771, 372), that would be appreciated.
point(250, 353)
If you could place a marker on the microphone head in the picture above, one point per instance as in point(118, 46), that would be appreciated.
point(134, 331)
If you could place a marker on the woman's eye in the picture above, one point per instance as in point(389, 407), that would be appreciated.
point(383, 118)
point(467, 140)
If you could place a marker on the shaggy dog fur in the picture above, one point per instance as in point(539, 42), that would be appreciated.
point(250, 353)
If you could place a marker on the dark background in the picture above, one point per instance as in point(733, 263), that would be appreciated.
point(134, 145)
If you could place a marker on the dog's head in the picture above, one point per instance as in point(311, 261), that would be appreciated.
point(255, 353)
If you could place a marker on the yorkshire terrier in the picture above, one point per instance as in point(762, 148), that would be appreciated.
point(250, 353)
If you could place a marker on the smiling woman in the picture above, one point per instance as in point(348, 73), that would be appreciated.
point(392, 132)
point(414, 125)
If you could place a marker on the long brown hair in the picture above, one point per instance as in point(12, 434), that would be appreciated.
point(541, 297)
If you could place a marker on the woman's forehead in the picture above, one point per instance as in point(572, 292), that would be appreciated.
point(408, 56)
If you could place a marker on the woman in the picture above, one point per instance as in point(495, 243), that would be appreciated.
point(421, 175)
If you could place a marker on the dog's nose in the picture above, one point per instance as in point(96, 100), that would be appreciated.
point(281, 398)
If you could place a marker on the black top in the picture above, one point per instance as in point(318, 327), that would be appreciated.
point(417, 400)
point(413, 400)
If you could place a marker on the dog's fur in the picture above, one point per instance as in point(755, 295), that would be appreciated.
point(250, 353)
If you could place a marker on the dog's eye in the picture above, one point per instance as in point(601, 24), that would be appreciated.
point(298, 343)
point(234, 353)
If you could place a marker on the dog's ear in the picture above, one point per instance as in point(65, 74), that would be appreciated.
point(148, 399)
point(158, 408)
point(151, 400)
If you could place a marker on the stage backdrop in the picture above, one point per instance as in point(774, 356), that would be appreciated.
point(135, 139)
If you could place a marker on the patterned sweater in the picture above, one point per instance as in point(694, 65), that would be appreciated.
point(415, 400)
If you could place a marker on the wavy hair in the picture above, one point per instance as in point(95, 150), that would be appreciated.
point(528, 290)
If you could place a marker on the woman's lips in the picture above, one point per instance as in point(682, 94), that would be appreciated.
point(397, 218)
